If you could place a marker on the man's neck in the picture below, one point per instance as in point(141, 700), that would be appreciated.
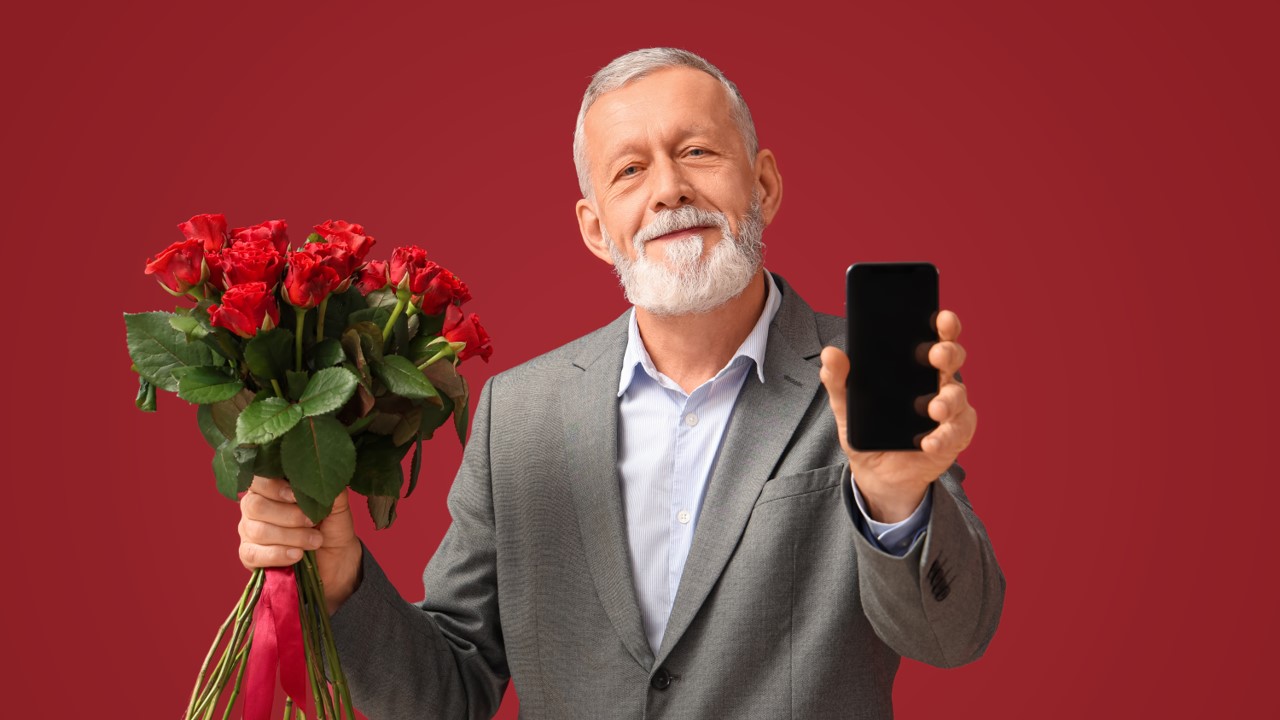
point(691, 349)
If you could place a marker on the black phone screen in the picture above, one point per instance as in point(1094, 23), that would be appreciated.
point(892, 310)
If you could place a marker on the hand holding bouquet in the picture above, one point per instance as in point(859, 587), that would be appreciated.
point(313, 365)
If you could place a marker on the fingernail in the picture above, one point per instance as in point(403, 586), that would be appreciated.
point(317, 540)
point(287, 494)
point(294, 554)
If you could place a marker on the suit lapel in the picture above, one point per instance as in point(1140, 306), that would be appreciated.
point(589, 407)
point(764, 421)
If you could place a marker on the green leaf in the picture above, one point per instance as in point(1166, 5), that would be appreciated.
point(223, 342)
point(338, 311)
point(268, 462)
point(265, 420)
point(270, 354)
point(311, 507)
point(327, 391)
point(156, 348)
point(146, 400)
point(382, 510)
point(374, 315)
point(226, 413)
point(319, 460)
point(404, 378)
point(295, 383)
point(415, 465)
point(378, 470)
point(327, 353)
point(188, 326)
point(231, 476)
point(315, 238)
point(204, 385)
point(430, 325)
point(209, 428)
point(461, 407)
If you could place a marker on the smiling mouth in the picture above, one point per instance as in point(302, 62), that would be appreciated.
point(678, 234)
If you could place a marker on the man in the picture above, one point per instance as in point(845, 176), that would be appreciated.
point(662, 519)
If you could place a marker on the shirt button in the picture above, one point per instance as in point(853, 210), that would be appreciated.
point(690, 419)
point(684, 517)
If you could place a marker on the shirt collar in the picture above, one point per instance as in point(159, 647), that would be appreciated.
point(752, 348)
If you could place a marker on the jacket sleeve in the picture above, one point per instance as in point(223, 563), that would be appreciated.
point(941, 602)
point(442, 657)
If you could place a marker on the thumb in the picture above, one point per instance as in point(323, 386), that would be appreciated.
point(834, 374)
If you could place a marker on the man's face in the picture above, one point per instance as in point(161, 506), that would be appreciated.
point(666, 148)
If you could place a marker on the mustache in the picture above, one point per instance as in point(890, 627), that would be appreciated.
point(681, 218)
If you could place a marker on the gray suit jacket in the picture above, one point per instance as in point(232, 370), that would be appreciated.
point(784, 609)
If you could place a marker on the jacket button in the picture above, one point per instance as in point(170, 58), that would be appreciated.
point(661, 680)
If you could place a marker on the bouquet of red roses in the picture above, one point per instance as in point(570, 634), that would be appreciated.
point(330, 396)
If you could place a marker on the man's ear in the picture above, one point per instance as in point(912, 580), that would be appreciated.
point(589, 226)
point(769, 184)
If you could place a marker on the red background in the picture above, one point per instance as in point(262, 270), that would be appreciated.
point(1097, 182)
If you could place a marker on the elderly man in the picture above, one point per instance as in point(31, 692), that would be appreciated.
point(662, 519)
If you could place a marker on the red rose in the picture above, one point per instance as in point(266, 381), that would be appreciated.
point(250, 261)
point(271, 230)
point(180, 266)
point(309, 280)
point(466, 330)
point(372, 277)
point(350, 238)
point(411, 269)
point(210, 230)
point(245, 309)
point(444, 289)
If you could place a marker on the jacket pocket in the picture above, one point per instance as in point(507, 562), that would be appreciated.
point(803, 483)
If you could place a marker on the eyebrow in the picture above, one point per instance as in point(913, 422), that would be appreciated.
point(629, 147)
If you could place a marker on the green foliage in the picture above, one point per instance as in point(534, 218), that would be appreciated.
point(327, 353)
point(232, 476)
point(404, 378)
point(328, 390)
point(269, 355)
point(146, 400)
point(267, 463)
point(156, 348)
point(206, 385)
point(209, 429)
point(319, 459)
point(265, 420)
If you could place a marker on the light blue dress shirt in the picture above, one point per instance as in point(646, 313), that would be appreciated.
point(667, 447)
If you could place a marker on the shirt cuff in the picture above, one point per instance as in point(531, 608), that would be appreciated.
point(894, 538)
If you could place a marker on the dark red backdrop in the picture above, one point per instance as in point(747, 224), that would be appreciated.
point(1096, 182)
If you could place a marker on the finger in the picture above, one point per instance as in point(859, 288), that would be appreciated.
point(261, 556)
point(950, 438)
point(273, 488)
point(263, 533)
point(834, 375)
point(948, 325)
point(277, 512)
point(950, 402)
point(947, 356)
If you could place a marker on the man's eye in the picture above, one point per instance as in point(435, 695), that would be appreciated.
point(630, 170)
point(697, 152)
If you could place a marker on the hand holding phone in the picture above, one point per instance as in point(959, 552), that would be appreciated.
point(892, 309)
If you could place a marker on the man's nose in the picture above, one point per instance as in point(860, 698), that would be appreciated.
point(670, 186)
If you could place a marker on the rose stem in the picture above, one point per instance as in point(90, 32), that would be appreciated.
point(275, 385)
point(222, 631)
point(314, 672)
point(288, 708)
point(243, 624)
point(299, 313)
point(326, 632)
point(395, 315)
point(242, 657)
point(324, 305)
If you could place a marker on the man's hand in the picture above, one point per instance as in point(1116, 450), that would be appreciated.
point(274, 532)
point(894, 483)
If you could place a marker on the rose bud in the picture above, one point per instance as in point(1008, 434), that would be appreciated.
point(250, 261)
point(271, 230)
point(246, 309)
point(411, 270)
point(210, 230)
point(179, 267)
point(468, 330)
point(372, 277)
point(444, 289)
point(308, 281)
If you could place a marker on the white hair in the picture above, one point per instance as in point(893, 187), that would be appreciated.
point(636, 65)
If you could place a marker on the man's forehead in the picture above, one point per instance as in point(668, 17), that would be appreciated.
point(675, 102)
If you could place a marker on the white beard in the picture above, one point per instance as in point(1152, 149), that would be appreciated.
point(683, 283)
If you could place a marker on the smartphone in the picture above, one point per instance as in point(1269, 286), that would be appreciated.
point(892, 310)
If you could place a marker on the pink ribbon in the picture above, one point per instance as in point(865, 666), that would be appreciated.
point(277, 643)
